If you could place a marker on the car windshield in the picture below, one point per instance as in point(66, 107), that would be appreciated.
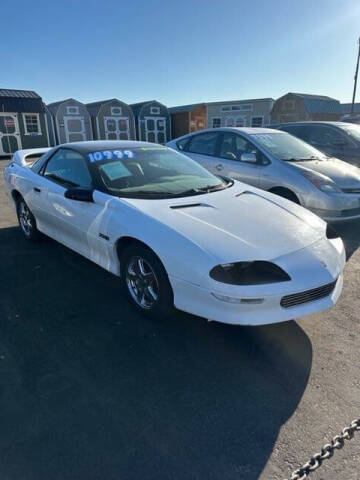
point(352, 130)
point(153, 172)
point(286, 147)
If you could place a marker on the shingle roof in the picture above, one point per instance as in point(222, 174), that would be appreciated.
point(184, 108)
point(53, 107)
point(346, 107)
point(8, 93)
point(320, 103)
point(136, 107)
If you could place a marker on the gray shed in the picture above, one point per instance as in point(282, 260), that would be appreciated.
point(152, 121)
point(112, 120)
point(22, 121)
point(71, 121)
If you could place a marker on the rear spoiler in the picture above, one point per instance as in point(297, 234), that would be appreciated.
point(27, 157)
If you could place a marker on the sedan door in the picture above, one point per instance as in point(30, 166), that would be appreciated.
point(202, 148)
point(67, 220)
point(229, 162)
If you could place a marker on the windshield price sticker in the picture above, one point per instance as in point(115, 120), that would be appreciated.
point(110, 155)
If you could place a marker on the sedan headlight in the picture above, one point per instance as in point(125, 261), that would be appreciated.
point(249, 273)
point(322, 182)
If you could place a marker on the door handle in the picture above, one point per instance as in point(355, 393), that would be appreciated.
point(219, 166)
point(36, 189)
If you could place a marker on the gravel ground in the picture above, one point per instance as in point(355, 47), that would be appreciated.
point(91, 390)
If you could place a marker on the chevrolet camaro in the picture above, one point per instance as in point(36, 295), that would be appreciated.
point(177, 235)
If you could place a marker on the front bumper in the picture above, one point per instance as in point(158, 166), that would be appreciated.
point(337, 207)
point(201, 302)
point(312, 267)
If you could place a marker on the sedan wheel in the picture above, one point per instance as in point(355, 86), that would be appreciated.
point(27, 221)
point(142, 282)
point(145, 281)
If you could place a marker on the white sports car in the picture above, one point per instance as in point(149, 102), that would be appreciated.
point(177, 235)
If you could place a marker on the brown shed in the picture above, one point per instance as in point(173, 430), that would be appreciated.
point(187, 118)
point(299, 107)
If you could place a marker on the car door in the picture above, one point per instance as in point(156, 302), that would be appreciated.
point(229, 163)
point(67, 220)
point(202, 148)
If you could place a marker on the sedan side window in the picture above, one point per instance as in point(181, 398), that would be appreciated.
point(205, 143)
point(68, 168)
point(233, 146)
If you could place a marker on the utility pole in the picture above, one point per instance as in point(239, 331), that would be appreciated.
point(355, 79)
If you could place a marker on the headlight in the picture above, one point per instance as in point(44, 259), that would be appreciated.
point(322, 182)
point(249, 273)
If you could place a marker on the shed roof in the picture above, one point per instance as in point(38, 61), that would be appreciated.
point(94, 107)
point(20, 101)
point(53, 107)
point(346, 107)
point(136, 107)
point(185, 108)
point(320, 103)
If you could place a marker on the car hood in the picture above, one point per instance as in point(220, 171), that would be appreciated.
point(239, 223)
point(342, 173)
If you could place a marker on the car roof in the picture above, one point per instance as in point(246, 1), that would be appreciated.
point(246, 130)
point(309, 122)
point(97, 145)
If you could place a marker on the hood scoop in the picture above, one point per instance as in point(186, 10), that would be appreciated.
point(190, 205)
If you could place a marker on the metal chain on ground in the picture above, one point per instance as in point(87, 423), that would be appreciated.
point(326, 452)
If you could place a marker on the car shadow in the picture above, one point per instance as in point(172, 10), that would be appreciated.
point(89, 389)
point(350, 233)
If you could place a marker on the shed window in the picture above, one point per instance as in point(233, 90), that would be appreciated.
point(216, 122)
point(72, 110)
point(116, 111)
point(257, 121)
point(32, 124)
point(155, 110)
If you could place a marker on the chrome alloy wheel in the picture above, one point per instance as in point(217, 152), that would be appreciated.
point(25, 219)
point(142, 282)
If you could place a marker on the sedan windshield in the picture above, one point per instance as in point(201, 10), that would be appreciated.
point(287, 148)
point(153, 172)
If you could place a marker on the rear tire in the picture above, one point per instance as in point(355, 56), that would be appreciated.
point(27, 221)
point(145, 282)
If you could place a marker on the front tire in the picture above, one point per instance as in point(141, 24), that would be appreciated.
point(145, 282)
point(27, 221)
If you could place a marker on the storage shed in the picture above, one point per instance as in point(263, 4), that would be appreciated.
point(187, 118)
point(299, 107)
point(71, 121)
point(152, 121)
point(111, 120)
point(22, 121)
point(240, 113)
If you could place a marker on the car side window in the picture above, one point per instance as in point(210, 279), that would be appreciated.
point(182, 144)
point(326, 137)
point(233, 146)
point(204, 143)
point(298, 131)
point(68, 168)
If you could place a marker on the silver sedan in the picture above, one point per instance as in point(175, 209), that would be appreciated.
point(280, 163)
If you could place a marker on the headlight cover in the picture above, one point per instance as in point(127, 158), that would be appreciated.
point(249, 273)
point(322, 182)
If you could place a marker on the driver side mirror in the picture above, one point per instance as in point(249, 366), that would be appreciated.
point(79, 194)
point(248, 158)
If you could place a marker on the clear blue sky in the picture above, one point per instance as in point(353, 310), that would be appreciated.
point(179, 51)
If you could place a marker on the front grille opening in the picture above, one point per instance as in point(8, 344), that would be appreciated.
point(308, 296)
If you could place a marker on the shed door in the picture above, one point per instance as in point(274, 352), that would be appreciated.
point(117, 128)
point(74, 129)
point(155, 129)
point(9, 133)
